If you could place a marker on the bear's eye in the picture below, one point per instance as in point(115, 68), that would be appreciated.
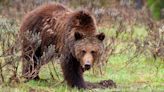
point(83, 51)
point(93, 52)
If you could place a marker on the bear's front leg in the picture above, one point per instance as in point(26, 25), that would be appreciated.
point(72, 72)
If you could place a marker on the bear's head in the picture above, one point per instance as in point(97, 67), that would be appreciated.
point(87, 50)
point(83, 41)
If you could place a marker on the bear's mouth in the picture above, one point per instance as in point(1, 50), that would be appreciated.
point(85, 68)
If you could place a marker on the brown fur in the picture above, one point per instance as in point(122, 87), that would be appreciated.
point(70, 32)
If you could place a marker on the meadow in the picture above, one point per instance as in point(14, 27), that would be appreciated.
point(131, 70)
point(133, 57)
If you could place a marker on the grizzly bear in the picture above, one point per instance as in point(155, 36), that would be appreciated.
point(73, 35)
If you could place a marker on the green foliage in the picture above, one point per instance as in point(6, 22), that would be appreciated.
point(155, 7)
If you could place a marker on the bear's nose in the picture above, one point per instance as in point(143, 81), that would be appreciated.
point(87, 65)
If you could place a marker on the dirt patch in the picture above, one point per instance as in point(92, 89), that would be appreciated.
point(102, 84)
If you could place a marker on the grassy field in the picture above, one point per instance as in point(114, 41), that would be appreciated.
point(140, 74)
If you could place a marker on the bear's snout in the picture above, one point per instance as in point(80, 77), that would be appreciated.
point(87, 61)
point(87, 65)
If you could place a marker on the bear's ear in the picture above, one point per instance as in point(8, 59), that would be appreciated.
point(101, 36)
point(78, 35)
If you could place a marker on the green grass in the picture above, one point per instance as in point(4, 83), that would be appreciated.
point(140, 74)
